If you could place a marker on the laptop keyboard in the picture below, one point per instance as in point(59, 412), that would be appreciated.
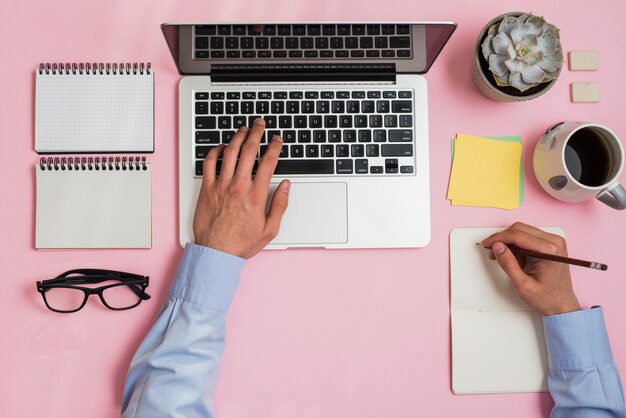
point(325, 132)
point(302, 41)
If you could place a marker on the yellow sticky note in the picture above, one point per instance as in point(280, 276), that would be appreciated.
point(485, 172)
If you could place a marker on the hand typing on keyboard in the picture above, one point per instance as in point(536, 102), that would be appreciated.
point(230, 212)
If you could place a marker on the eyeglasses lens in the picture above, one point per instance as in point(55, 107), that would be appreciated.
point(64, 298)
point(122, 296)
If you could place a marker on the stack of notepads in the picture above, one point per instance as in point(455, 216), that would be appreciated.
point(98, 200)
point(486, 172)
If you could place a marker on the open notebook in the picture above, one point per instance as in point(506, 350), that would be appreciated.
point(88, 202)
point(497, 340)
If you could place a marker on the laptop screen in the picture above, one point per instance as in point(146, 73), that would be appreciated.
point(211, 49)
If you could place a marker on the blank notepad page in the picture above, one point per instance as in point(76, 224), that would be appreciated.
point(94, 112)
point(94, 208)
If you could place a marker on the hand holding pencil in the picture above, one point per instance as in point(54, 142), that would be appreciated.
point(544, 285)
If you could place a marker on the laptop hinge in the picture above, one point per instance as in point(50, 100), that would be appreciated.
point(302, 73)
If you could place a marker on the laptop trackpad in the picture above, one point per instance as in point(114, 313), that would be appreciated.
point(317, 214)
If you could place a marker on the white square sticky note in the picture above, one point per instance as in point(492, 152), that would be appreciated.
point(583, 60)
point(585, 92)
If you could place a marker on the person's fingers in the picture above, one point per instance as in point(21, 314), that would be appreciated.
point(231, 153)
point(279, 204)
point(536, 232)
point(522, 283)
point(209, 167)
point(250, 149)
point(522, 240)
point(268, 163)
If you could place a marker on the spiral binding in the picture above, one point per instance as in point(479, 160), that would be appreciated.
point(93, 163)
point(95, 68)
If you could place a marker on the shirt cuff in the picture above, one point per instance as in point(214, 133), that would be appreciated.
point(577, 340)
point(207, 277)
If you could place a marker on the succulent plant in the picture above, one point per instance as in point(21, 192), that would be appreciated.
point(523, 51)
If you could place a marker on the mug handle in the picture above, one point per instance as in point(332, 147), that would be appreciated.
point(613, 196)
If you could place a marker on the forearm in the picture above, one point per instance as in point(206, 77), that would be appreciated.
point(174, 371)
point(582, 376)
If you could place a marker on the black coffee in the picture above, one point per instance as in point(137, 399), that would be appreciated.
point(587, 158)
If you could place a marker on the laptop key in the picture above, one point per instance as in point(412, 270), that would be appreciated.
point(227, 136)
point(291, 43)
point(315, 121)
point(397, 150)
point(299, 30)
point(321, 43)
point(357, 54)
point(206, 122)
point(217, 108)
point(289, 136)
point(262, 107)
point(380, 135)
point(312, 151)
point(353, 106)
point(391, 165)
point(338, 106)
point(357, 150)
point(366, 42)
point(326, 54)
point(407, 169)
point(380, 42)
point(203, 150)
point(293, 107)
point(248, 54)
point(224, 122)
point(405, 94)
point(205, 30)
point(296, 151)
point(265, 54)
point(299, 122)
point(247, 108)
point(202, 42)
point(233, 54)
point(328, 29)
point(334, 135)
point(280, 95)
point(342, 54)
point(404, 53)
point(389, 94)
point(402, 106)
point(373, 29)
point(352, 42)
point(207, 137)
point(306, 166)
point(247, 43)
point(295, 54)
point(202, 108)
point(308, 106)
point(239, 121)
point(279, 54)
point(277, 43)
point(232, 42)
point(214, 54)
point(330, 121)
point(376, 121)
point(284, 122)
point(319, 136)
point(391, 121)
point(270, 122)
point(284, 30)
point(306, 42)
point(399, 42)
point(265, 95)
point(371, 150)
point(202, 95)
point(402, 29)
point(342, 150)
point(278, 107)
point(388, 53)
point(232, 108)
point(360, 166)
point(345, 121)
point(349, 135)
point(217, 42)
point(406, 121)
point(360, 121)
point(382, 106)
point(343, 30)
point(344, 166)
point(327, 151)
point(365, 135)
point(368, 106)
point(372, 53)
point(322, 106)
point(304, 136)
point(376, 169)
point(400, 135)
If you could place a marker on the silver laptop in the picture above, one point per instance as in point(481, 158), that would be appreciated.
point(351, 106)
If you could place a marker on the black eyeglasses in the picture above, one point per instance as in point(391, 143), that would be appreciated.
point(65, 294)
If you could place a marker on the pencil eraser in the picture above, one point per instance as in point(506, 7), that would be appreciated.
point(585, 92)
point(583, 60)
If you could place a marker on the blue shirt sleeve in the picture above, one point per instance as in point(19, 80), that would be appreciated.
point(582, 376)
point(174, 370)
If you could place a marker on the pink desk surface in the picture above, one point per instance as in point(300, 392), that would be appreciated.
point(311, 333)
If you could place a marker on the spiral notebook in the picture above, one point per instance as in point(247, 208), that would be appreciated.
point(94, 108)
point(93, 202)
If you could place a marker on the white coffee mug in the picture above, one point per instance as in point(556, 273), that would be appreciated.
point(578, 161)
